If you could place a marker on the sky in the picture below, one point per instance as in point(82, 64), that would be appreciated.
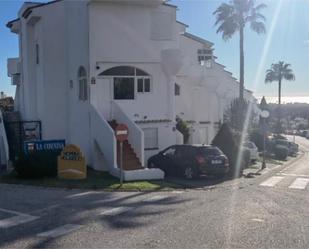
point(287, 39)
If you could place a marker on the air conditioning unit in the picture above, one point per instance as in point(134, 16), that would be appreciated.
point(13, 65)
point(15, 79)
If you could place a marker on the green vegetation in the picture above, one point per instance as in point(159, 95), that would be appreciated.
point(225, 140)
point(183, 128)
point(95, 180)
point(232, 18)
point(278, 72)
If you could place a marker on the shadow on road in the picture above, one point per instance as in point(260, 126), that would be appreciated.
point(87, 210)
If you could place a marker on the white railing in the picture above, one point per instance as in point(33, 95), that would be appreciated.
point(103, 135)
point(4, 146)
point(136, 135)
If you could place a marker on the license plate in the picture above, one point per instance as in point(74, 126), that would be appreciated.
point(216, 161)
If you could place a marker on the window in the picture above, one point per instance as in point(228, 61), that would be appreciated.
point(170, 151)
point(143, 85)
point(151, 138)
point(37, 54)
point(177, 89)
point(126, 79)
point(83, 87)
point(205, 57)
point(123, 88)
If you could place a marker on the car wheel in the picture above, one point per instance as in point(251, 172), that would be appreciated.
point(189, 172)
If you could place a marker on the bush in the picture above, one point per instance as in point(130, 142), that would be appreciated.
point(183, 128)
point(281, 152)
point(37, 164)
point(257, 138)
point(226, 142)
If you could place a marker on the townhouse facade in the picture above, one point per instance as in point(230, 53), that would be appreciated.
point(86, 66)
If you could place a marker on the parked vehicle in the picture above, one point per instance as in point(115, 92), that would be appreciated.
point(292, 147)
point(190, 161)
point(254, 153)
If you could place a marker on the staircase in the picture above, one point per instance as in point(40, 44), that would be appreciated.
point(130, 160)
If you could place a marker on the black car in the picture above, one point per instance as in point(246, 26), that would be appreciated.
point(190, 161)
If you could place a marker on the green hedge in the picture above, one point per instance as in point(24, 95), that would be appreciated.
point(37, 164)
point(225, 140)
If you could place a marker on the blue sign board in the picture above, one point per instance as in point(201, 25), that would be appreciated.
point(44, 145)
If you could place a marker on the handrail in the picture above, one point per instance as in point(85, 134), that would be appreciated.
point(4, 146)
point(136, 134)
point(103, 135)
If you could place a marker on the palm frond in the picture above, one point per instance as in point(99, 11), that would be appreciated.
point(258, 27)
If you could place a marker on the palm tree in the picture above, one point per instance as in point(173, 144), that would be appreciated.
point(233, 17)
point(278, 72)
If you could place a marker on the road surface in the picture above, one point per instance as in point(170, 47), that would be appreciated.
point(268, 211)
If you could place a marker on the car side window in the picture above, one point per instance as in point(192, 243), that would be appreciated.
point(170, 152)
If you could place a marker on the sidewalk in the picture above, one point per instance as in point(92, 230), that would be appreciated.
point(271, 164)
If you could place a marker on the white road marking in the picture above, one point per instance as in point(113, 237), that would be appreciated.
point(11, 211)
point(299, 183)
point(17, 220)
point(59, 231)
point(272, 181)
point(177, 192)
point(155, 198)
point(284, 174)
point(116, 211)
point(257, 220)
point(81, 194)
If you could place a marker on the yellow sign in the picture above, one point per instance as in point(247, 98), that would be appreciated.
point(71, 163)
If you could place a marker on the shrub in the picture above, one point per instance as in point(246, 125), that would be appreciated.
point(37, 164)
point(182, 127)
point(226, 142)
point(281, 152)
point(257, 138)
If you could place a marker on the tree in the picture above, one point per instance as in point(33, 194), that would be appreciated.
point(278, 72)
point(233, 17)
point(236, 114)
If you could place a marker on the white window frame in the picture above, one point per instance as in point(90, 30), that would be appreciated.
point(201, 57)
point(135, 76)
point(150, 84)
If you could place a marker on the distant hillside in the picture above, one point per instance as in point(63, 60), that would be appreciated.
point(292, 110)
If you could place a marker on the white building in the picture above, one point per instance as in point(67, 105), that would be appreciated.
point(85, 66)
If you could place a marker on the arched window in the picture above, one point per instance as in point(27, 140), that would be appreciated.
point(128, 81)
point(82, 81)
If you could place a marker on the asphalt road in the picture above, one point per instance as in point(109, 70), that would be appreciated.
point(268, 211)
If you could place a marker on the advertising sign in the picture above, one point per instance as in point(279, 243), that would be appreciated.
point(43, 145)
point(71, 163)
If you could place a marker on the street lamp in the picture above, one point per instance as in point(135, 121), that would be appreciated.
point(264, 115)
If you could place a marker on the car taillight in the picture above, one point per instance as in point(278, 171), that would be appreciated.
point(200, 160)
point(226, 162)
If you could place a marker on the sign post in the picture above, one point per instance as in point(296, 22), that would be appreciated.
point(264, 115)
point(122, 133)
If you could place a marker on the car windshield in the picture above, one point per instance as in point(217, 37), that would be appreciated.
point(209, 151)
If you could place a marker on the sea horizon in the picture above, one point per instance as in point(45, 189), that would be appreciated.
point(285, 99)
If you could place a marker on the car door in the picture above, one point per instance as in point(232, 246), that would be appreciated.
point(168, 159)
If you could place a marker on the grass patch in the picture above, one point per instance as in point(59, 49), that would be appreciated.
point(95, 180)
